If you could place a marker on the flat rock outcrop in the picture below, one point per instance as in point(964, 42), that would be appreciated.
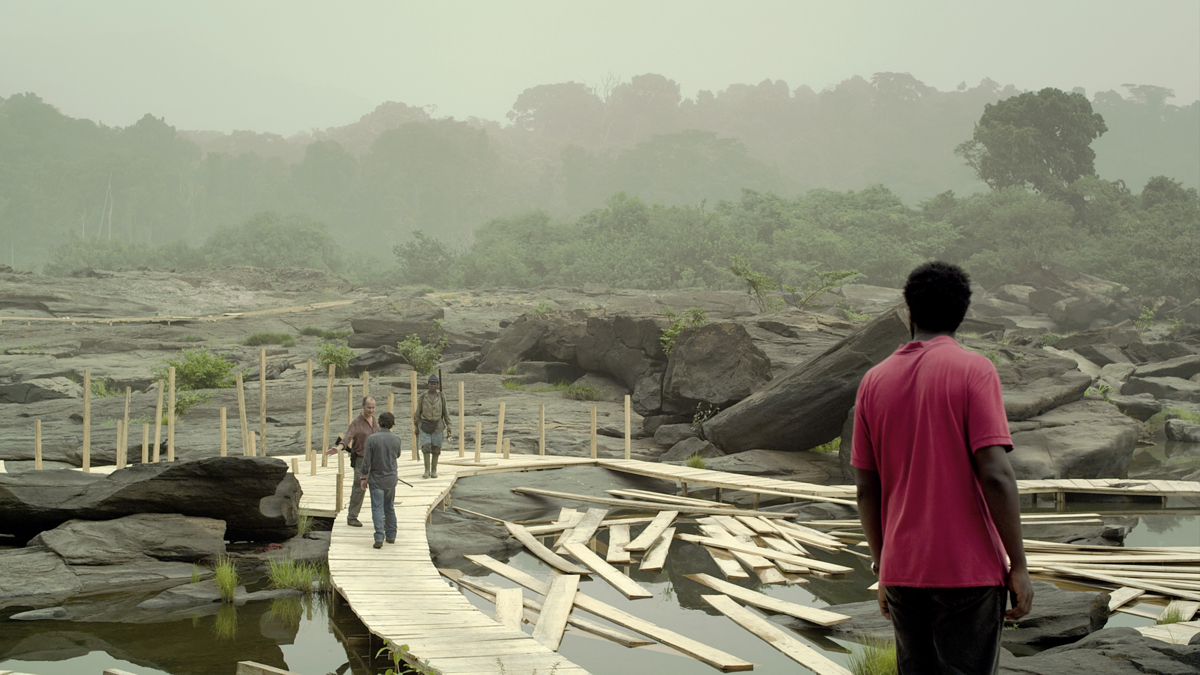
point(1083, 439)
point(163, 536)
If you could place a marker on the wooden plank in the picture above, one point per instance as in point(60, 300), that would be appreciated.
point(1186, 608)
point(1174, 633)
point(1123, 596)
point(653, 531)
point(775, 636)
point(618, 538)
point(510, 607)
point(668, 499)
point(656, 557)
point(702, 652)
point(820, 617)
point(568, 518)
point(738, 546)
point(1124, 581)
point(541, 551)
point(551, 528)
point(725, 562)
point(252, 668)
point(628, 587)
point(631, 504)
point(586, 529)
point(556, 608)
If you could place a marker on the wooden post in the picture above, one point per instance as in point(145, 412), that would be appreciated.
point(224, 450)
point(542, 429)
point(145, 443)
point(462, 442)
point(37, 445)
point(125, 427)
point(87, 421)
point(500, 429)
point(412, 385)
point(593, 435)
point(478, 440)
point(628, 436)
point(391, 406)
point(308, 449)
point(158, 410)
point(262, 400)
point(349, 406)
point(120, 461)
point(366, 383)
point(253, 442)
point(507, 445)
point(171, 414)
point(295, 467)
point(328, 412)
point(339, 490)
point(247, 448)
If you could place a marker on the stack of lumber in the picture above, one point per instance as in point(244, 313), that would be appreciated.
point(1171, 572)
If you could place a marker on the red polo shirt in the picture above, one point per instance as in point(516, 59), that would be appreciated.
point(920, 416)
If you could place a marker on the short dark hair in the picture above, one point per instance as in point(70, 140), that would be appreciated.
point(938, 295)
point(387, 420)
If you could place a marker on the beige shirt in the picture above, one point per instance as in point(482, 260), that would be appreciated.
point(429, 407)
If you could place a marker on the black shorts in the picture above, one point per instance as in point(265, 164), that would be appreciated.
point(947, 631)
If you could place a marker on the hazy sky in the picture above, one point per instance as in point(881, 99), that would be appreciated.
point(291, 66)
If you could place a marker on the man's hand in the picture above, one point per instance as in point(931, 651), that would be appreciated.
point(332, 450)
point(1020, 593)
point(883, 607)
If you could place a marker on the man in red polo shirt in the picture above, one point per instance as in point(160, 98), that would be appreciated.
point(936, 494)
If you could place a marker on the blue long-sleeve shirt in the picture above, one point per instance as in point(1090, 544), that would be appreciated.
point(379, 459)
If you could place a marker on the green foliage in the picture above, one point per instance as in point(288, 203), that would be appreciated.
point(543, 307)
point(695, 462)
point(424, 260)
point(197, 368)
point(186, 399)
point(325, 333)
point(759, 284)
point(1170, 615)
point(404, 662)
point(1176, 324)
point(225, 623)
point(873, 657)
point(1049, 339)
point(992, 355)
point(832, 446)
point(100, 389)
point(259, 339)
point(852, 315)
point(423, 357)
point(1145, 319)
point(511, 370)
point(336, 353)
point(195, 574)
point(306, 577)
point(691, 317)
point(512, 385)
point(269, 239)
point(581, 392)
point(226, 575)
point(304, 524)
point(704, 412)
point(820, 281)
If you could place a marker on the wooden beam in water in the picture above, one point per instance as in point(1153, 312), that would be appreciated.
point(618, 538)
point(630, 504)
point(776, 636)
point(738, 546)
point(586, 528)
point(510, 607)
point(627, 587)
point(539, 549)
point(656, 555)
point(653, 531)
point(555, 610)
point(821, 617)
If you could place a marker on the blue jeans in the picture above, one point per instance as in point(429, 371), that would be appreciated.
point(383, 512)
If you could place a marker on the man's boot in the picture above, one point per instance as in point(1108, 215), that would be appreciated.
point(425, 454)
point(433, 463)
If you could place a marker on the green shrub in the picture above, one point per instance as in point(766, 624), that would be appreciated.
point(1145, 319)
point(404, 662)
point(759, 284)
point(306, 577)
point(543, 307)
point(832, 446)
point(873, 657)
point(100, 390)
point(691, 317)
point(186, 399)
point(227, 578)
point(197, 368)
point(581, 392)
point(820, 282)
point(336, 353)
point(1049, 339)
point(421, 356)
point(696, 462)
point(325, 334)
point(703, 413)
point(259, 339)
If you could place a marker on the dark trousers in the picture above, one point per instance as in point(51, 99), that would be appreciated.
point(947, 631)
point(356, 491)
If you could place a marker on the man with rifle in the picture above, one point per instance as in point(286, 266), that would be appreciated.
point(433, 422)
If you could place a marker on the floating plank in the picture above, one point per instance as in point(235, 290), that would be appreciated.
point(243, 668)
point(1174, 633)
point(551, 528)
point(770, 575)
point(725, 562)
point(568, 518)
point(631, 504)
point(738, 546)
point(656, 557)
point(510, 607)
point(618, 538)
point(555, 610)
point(541, 551)
point(821, 617)
point(702, 652)
point(586, 529)
point(775, 636)
point(668, 499)
point(1123, 596)
point(628, 587)
point(653, 531)
point(1138, 612)
point(1186, 609)
point(1125, 581)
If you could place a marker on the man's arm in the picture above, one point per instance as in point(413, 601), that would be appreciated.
point(365, 466)
point(999, 485)
point(870, 502)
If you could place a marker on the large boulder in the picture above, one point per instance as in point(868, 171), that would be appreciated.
point(624, 346)
point(378, 360)
point(1112, 651)
point(992, 308)
point(1183, 432)
point(1170, 388)
point(716, 364)
point(536, 337)
point(40, 389)
point(806, 406)
point(1183, 367)
point(689, 447)
point(647, 395)
point(415, 315)
point(1083, 439)
point(164, 536)
point(1035, 381)
point(257, 497)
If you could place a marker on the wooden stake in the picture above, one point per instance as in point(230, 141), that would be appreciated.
point(478, 440)
point(145, 442)
point(593, 434)
point(366, 383)
point(349, 406)
point(224, 450)
point(262, 400)
point(412, 386)
point(308, 449)
point(500, 429)
point(295, 467)
point(542, 429)
point(328, 412)
point(171, 414)
point(253, 442)
point(158, 411)
point(507, 445)
point(120, 462)
point(37, 445)
point(125, 427)
point(87, 421)
point(339, 490)
point(462, 398)
point(628, 436)
point(247, 447)
point(391, 405)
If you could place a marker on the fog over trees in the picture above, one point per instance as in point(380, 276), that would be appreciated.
point(630, 183)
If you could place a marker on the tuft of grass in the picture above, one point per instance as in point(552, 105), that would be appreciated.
point(307, 577)
point(325, 333)
point(195, 574)
point(873, 657)
point(696, 462)
point(1049, 339)
point(1171, 615)
point(304, 524)
point(561, 385)
point(188, 337)
point(832, 446)
point(259, 339)
point(227, 578)
point(581, 392)
point(513, 385)
point(511, 370)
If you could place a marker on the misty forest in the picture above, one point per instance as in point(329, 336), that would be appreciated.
point(629, 184)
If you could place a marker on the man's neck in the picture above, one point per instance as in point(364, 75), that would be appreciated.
point(924, 335)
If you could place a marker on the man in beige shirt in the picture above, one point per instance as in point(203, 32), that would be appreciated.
point(432, 422)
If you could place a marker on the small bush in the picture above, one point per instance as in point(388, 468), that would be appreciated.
point(511, 370)
point(703, 413)
point(543, 307)
point(421, 356)
point(696, 462)
point(1049, 339)
point(691, 317)
point(227, 578)
point(820, 282)
point(185, 400)
point(1145, 319)
point(325, 334)
point(873, 657)
point(198, 368)
point(100, 390)
point(832, 446)
point(306, 577)
point(581, 392)
point(759, 284)
point(336, 353)
point(259, 339)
